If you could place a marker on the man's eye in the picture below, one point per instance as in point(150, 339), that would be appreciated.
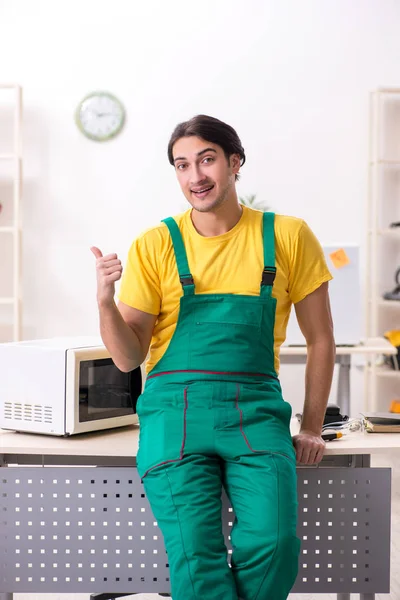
point(181, 167)
point(209, 158)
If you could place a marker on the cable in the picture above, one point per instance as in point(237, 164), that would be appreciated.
point(349, 425)
point(354, 424)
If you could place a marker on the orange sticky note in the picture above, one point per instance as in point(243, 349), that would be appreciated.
point(339, 258)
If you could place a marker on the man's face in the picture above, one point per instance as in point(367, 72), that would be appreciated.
point(204, 174)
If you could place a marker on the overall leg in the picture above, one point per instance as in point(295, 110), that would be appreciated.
point(262, 489)
point(185, 498)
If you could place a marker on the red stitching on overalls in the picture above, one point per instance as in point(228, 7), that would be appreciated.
point(160, 465)
point(243, 433)
point(241, 422)
point(243, 373)
point(184, 422)
point(182, 450)
point(241, 419)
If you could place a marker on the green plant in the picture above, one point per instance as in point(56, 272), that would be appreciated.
point(251, 202)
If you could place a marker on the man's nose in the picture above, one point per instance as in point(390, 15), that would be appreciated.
point(196, 175)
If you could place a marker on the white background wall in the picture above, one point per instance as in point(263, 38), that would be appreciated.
point(293, 77)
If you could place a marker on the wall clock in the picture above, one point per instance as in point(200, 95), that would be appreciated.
point(100, 116)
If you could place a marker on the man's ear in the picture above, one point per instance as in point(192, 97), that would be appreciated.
point(235, 163)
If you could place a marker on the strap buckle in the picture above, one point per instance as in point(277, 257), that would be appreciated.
point(268, 276)
point(186, 279)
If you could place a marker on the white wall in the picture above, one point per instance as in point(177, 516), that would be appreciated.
point(293, 77)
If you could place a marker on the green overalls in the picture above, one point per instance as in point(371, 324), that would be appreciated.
point(212, 415)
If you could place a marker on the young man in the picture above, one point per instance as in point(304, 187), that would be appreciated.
point(210, 293)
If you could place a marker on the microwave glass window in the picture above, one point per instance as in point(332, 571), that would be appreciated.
point(105, 391)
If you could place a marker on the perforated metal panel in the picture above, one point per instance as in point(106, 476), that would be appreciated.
point(78, 529)
point(344, 526)
point(87, 529)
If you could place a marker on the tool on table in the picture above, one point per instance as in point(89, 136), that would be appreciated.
point(331, 436)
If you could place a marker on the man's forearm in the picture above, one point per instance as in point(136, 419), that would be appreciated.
point(119, 339)
point(319, 373)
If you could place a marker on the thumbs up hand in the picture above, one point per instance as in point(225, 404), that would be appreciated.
point(108, 271)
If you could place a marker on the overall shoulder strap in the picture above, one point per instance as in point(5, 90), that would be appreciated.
point(269, 272)
point(185, 276)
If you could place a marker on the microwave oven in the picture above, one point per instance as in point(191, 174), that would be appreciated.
point(65, 386)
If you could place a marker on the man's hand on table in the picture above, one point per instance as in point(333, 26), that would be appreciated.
point(309, 447)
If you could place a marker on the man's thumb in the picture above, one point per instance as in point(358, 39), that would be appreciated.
point(96, 252)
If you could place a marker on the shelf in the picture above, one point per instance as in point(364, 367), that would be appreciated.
point(13, 154)
point(386, 163)
point(387, 91)
point(9, 86)
point(9, 156)
point(390, 303)
point(382, 371)
point(386, 372)
point(390, 232)
point(7, 300)
point(382, 239)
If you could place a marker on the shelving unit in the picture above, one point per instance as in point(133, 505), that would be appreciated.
point(383, 242)
point(15, 161)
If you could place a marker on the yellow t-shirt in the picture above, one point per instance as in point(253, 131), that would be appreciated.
point(231, 263)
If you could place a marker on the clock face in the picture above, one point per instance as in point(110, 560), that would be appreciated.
point(100, 116)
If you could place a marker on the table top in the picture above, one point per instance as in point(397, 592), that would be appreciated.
point(368, 346)
point(123, 442)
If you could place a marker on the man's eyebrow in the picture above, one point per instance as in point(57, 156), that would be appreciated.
point(198, 154)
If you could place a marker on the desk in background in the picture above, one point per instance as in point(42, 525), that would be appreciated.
point(74, 517)
point(298, 355)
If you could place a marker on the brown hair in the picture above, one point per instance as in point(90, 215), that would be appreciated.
point(211, 130)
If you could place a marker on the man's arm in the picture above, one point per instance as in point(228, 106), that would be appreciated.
point(315, 321)
point(126, 333)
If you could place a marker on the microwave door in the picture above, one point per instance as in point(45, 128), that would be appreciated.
point(105, 392)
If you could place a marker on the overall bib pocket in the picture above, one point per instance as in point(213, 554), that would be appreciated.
point(223, 334)
point(223, 311)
